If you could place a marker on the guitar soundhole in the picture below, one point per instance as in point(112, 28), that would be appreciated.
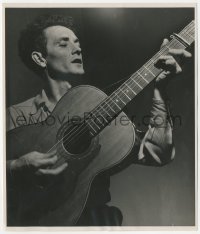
point(77, 138)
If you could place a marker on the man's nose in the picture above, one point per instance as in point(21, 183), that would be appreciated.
point(76, 49)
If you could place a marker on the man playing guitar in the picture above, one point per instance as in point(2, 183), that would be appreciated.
point(50, 47)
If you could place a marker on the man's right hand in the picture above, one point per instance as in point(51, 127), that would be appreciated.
point(38, 163)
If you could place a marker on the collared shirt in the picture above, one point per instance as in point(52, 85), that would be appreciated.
point(31, 111)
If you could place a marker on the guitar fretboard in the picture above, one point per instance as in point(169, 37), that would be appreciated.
point(106, 111)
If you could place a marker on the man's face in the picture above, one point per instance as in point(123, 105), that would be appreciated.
point(63, 51)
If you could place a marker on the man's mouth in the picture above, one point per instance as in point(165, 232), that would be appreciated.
point(77, 60)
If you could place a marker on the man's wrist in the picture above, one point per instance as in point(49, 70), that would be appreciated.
point(16, 165)
point(160, 93)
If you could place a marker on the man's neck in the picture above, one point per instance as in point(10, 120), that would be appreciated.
point(55, 89)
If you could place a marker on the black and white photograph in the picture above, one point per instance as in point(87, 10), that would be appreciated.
point(100, 116)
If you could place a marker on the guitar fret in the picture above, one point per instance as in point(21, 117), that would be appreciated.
point(134, 92)
point(162, 52)
point(167, 47)
point(96, 124)
point(149, 71)
point(99, 122)
point(120, 99)
point(100, 115)
point(125, 94)
point(138, 84)
point(179, 45)
point(117, 105)
point(159, 53)
point(105, 118)
point(151, 61)
point(104, 112)
point(110, 107)
point(142, 77)
point(130, 89)
point(92, 127)
point(189, 35)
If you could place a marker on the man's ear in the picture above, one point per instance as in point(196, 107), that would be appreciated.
point(37, 58)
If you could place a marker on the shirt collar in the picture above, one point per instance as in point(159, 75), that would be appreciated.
point(42, 100)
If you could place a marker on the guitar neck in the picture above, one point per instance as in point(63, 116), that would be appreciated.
point(106, 111)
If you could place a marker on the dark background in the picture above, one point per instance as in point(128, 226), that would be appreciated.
point(115, 43)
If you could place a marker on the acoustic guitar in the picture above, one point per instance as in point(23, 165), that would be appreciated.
point(91, 118)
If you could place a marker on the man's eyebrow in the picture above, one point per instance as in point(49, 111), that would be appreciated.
point(66, 39)
point(63, 39)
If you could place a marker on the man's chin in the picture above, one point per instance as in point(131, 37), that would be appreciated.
point(74, 74)
point(78, 71)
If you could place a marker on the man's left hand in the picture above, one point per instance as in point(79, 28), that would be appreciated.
point(171, 64)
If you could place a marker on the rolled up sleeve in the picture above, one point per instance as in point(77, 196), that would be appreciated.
point(156, 144)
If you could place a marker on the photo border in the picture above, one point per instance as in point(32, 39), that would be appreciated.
point(101, 5)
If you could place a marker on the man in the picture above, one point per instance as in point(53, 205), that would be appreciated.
point(49, 47)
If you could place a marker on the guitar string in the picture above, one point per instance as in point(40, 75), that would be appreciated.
point(95, 110)
point(176, 43)
point(190, 34)
point(116, 94)
point(62, 159)
point(173, 43)
point(121, 89)
point(103, 125)
point(83, 129)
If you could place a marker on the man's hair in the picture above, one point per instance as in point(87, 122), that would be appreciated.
point(32, 38)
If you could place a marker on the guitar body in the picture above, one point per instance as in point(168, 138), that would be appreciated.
point(116, 141)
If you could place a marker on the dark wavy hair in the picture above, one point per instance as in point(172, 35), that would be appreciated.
point(32, 38)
